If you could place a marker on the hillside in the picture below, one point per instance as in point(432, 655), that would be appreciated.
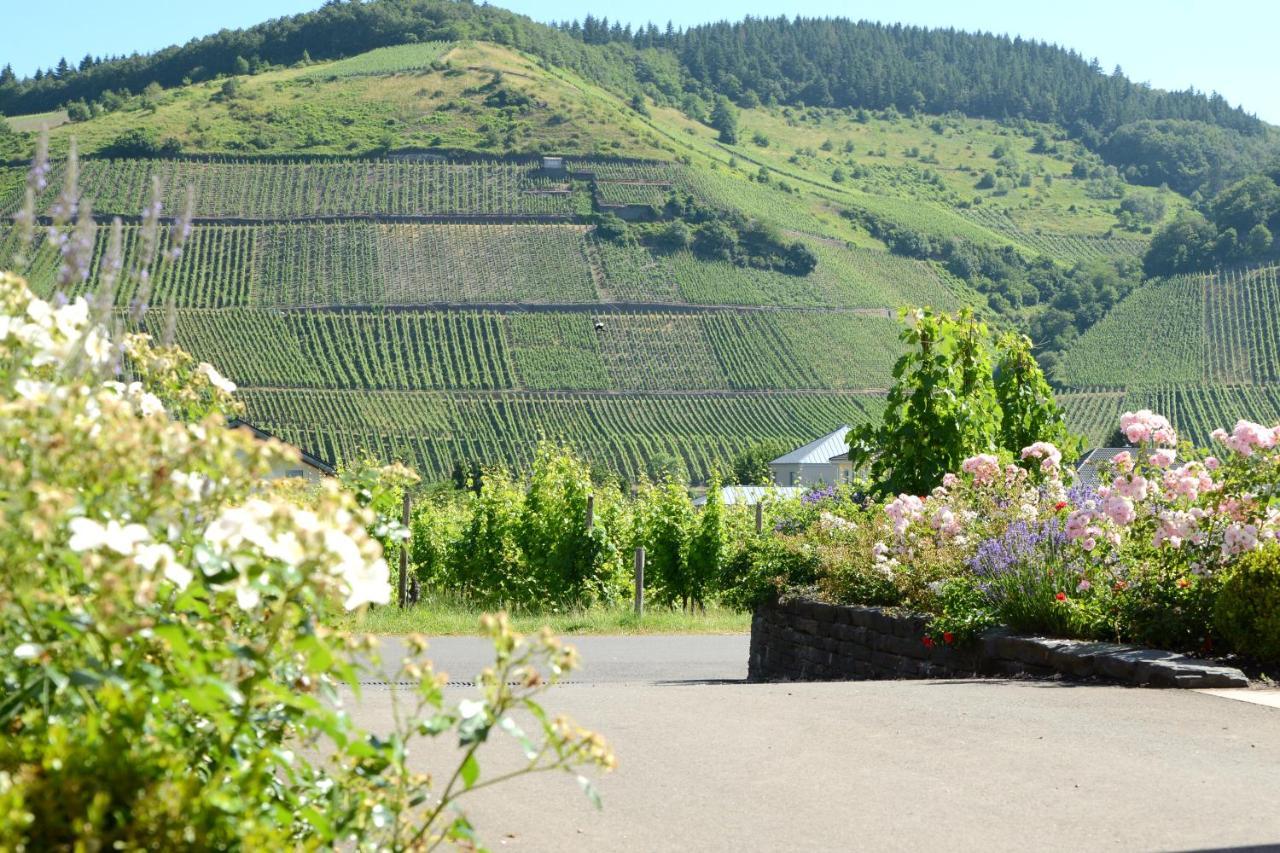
point(380, 261)
point(1203, 348)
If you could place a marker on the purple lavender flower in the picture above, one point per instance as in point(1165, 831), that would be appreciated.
point(1020, 542)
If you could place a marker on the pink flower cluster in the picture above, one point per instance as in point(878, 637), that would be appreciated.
point(1131, 485)
point(1188, 482)
point(903, 510)
point(1173, 527)
point(985, 468)
point(945, 521)
point(1082, 526)
point(1240, 537)
point(1050, 457)
point(1247, 437)
point(1145, 426)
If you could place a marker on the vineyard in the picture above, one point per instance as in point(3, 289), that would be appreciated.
point(367, 263)
point(399, 59)
point(844, 277)
point(1068, 247)
point(539, 350)
point(1219, 328)
point(1204, 350)
point(1155, 335)
point(434, 431)
point(1242, 325)
point(255, 190)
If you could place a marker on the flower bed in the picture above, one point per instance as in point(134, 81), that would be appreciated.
point(1173, 548)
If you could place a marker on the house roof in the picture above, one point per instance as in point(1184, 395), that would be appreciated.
point(262, 435)
point(819, 451)
point(1087, 467)
point(752, 495)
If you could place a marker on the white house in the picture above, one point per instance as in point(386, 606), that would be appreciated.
point(823, 460)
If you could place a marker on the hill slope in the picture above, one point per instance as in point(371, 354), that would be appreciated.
point(381, 262)
point(1204, 349)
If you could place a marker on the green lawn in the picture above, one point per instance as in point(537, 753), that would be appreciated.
point(443, 617)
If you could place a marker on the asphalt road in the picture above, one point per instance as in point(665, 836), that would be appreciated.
point(708, 763)
point(643, 659)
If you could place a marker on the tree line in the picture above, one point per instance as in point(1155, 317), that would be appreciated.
point(829, 62)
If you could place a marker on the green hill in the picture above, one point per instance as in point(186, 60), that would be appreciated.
point(1203, 348)
point(381, 262)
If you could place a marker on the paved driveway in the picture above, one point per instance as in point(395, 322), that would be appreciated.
point(714, 765)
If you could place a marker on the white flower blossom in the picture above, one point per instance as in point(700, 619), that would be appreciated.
point(27, 651)
point(216, 379)
point(151, 557)
point(90, 535)
point(469, 708)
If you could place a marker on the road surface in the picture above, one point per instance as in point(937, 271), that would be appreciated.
point(708, 762)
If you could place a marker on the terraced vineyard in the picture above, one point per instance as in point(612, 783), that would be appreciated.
point(853, 278)
point(1202, 349)
point(1068, 247)
point(370, 263)
point(1219, 328)
point(436, 430)
point(256, 190)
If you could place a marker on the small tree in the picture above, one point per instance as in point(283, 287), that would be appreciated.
point(1028, 411)
point(725, 120)
point(707, 546)
point(663, 518)
point(941, 409)
point(560, 553)
point(1258, 241)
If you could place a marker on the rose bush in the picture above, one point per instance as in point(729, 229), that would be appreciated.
point(1140, 556)
point(165, 663)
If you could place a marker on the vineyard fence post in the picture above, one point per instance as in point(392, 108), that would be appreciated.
point(591, 512)
point(759, 516)
point(640, 581)
point(404, 555)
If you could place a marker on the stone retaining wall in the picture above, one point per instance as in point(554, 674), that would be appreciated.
point(811, 641)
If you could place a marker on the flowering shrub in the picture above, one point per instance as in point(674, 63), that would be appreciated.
point(1141, 557)
point(163, 650)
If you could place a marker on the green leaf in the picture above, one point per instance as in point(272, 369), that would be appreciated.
point(509, 726)
point(590, 790)
point(470, 770)
point(175, 636)
point(436, 724)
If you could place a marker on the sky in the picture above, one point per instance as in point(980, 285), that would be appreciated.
point(1230, 48)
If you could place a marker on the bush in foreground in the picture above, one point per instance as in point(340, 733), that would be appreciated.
point(163, 651)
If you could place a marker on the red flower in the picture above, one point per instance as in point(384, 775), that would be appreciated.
point(947, 637)
point(1060, 505)
point(928, 642)
point(1062, 596)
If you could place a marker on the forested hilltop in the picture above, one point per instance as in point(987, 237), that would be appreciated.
point(381, 261)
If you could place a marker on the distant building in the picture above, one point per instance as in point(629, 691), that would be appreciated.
point(553, 164)
point(819, 461)
point(309, 467)
point(1087, 473)
point(752, 495)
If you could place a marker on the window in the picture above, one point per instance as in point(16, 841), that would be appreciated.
point(795, 478)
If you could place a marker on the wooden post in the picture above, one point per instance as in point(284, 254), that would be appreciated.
point(759, 516)
point(591, 512)
point(404, 556)
point(640, 581)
